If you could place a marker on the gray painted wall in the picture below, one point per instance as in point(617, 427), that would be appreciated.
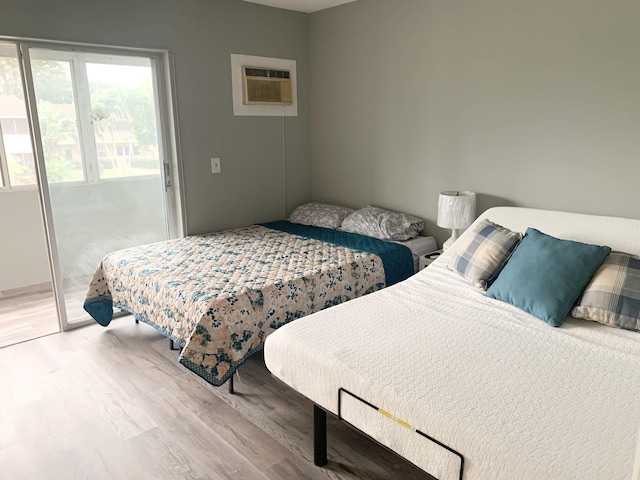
point(202, 34)
point(529, 103)
point(23, 250)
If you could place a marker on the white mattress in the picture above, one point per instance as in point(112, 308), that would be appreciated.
point(518, 398)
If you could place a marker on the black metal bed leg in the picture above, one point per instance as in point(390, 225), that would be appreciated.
point(319, 436)
point(231, 390)
point(172, 346)
point(137, 321)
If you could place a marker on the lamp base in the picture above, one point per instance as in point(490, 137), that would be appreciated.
point(449, 242)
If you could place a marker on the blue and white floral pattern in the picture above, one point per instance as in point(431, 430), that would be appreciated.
point(220, 295)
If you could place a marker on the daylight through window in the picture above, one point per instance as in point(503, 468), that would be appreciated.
point(96, 115)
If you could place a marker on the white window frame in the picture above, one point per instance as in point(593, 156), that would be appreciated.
point(78, 56)
point(4, 165)
point(4, 161)
point(77, 60)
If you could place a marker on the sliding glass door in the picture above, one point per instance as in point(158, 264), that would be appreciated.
point(104, 166)
point(85, 132)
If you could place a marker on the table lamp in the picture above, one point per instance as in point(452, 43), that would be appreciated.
point(456, 210)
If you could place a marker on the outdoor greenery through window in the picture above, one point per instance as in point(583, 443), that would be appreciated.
point(16, 155)
point(96, 115)
point(123, 117)
point(58, 121)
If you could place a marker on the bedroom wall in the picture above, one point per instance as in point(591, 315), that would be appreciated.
point(23, 252)
point(533, 104)
point(201, 35)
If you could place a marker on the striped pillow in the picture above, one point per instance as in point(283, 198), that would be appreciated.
point(480, 254)
point(612, 296)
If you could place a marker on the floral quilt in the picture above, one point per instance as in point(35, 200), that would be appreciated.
point(220, 295)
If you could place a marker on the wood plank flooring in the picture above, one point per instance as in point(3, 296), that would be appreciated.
point(30, 312)
point(113, 403)
point(26, 314)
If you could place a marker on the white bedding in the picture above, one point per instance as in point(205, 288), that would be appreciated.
point(518, 398)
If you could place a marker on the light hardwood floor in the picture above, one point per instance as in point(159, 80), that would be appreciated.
point(28, 313)
point(113, 403)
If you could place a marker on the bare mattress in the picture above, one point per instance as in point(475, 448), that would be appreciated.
point(517, 398)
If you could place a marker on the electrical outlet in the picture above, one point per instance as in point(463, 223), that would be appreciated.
point(215, 165)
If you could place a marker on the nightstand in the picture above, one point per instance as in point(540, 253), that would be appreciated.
point(425, 260)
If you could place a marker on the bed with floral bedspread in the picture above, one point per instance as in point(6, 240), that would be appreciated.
point(220, 295)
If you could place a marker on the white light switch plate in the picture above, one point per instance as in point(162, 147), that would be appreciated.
point(215, 165)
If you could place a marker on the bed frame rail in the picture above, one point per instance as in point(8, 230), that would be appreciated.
point(320, 431)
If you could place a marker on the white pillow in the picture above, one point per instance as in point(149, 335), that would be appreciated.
point(320, 215)
point(383, 224)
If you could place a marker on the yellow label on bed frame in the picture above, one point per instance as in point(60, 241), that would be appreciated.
point(396, 419)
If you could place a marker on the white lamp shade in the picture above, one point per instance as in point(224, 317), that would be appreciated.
point(456, 210)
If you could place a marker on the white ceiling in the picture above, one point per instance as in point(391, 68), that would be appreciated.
point(307, 6)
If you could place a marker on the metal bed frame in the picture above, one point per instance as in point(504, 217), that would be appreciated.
point(172, 346)
point(320, 431)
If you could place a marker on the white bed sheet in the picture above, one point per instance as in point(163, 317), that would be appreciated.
point(518, 398)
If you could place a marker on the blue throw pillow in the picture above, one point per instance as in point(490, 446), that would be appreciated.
point(546, 275)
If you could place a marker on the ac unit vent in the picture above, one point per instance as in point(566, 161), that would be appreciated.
point(266, 86)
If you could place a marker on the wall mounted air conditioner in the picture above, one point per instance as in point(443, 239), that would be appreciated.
point(266, 86)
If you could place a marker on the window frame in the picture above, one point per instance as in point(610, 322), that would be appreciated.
point(77, 58)
point(4, 165)
point(5, 175)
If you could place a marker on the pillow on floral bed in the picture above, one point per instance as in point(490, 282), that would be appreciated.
point(320, 215)
point(383, 224)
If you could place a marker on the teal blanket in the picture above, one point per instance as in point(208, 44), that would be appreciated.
point(397, 259)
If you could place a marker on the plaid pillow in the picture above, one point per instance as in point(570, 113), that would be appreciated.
point(613, 294)
point(480, 254)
